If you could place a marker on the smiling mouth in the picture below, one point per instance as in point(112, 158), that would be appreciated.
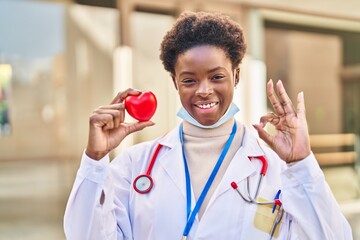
point(206, 106)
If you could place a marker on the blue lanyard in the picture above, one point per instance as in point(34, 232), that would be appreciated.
point(191, 215)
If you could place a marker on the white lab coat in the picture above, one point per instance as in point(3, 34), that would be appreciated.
point(311, 210)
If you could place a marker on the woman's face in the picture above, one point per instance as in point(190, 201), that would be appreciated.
point(205, 81)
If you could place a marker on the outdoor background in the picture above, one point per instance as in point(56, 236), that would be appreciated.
point(59, 60)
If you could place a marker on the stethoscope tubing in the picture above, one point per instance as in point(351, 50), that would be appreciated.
point(249, 199)
point(153, 159)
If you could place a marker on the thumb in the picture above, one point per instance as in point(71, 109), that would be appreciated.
point(137, 126)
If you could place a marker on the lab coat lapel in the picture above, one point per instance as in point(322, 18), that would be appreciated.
point(172, 162)
point(240, 167)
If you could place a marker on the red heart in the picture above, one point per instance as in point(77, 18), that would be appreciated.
point(141, 107)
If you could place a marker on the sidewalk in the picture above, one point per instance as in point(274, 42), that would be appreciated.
point(351, 210)
point(32, 200)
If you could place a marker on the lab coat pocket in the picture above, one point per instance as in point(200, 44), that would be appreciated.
point(266, 220)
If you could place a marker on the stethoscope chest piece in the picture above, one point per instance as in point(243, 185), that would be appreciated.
point(143, 183)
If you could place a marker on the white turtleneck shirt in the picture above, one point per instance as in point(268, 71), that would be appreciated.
point(202, 150)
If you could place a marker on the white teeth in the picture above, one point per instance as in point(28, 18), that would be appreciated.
point(205, 106)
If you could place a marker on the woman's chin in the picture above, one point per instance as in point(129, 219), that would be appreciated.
point(206, 122)
point(207, 117)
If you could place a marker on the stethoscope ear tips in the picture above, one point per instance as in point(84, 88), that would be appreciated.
point(234, 185)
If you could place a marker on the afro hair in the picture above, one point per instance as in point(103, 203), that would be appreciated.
point(193, 29)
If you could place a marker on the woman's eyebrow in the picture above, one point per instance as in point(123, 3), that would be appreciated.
point(209, 71)
point(216, 69)
point(186, 73)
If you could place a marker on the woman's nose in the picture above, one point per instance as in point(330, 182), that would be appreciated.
point(204, 89)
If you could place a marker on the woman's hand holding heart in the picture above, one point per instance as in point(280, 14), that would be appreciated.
point(107, 127)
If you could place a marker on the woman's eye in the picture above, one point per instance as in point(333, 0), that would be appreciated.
point(187, 81)
point(218, 77)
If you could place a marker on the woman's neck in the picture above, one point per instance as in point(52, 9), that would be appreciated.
point(222, 130)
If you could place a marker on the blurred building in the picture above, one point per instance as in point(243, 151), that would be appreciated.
point(68, 57)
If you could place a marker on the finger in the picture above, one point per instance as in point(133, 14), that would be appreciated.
point(301, 106)
point(264, 135)
point(284, 98)
point(109, 124)
point(278, 108)
point(117, 116)
point(115, 106)
point(271, 118)
point(104, 121)
point(117, 110)
point(120, 97)
point(117, 98)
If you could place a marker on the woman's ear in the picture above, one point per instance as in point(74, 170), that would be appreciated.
point(236, 76)
point(174, 81)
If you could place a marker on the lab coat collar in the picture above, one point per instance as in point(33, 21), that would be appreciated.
point(251, 144)
point(171, 139)
point(239, 169)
